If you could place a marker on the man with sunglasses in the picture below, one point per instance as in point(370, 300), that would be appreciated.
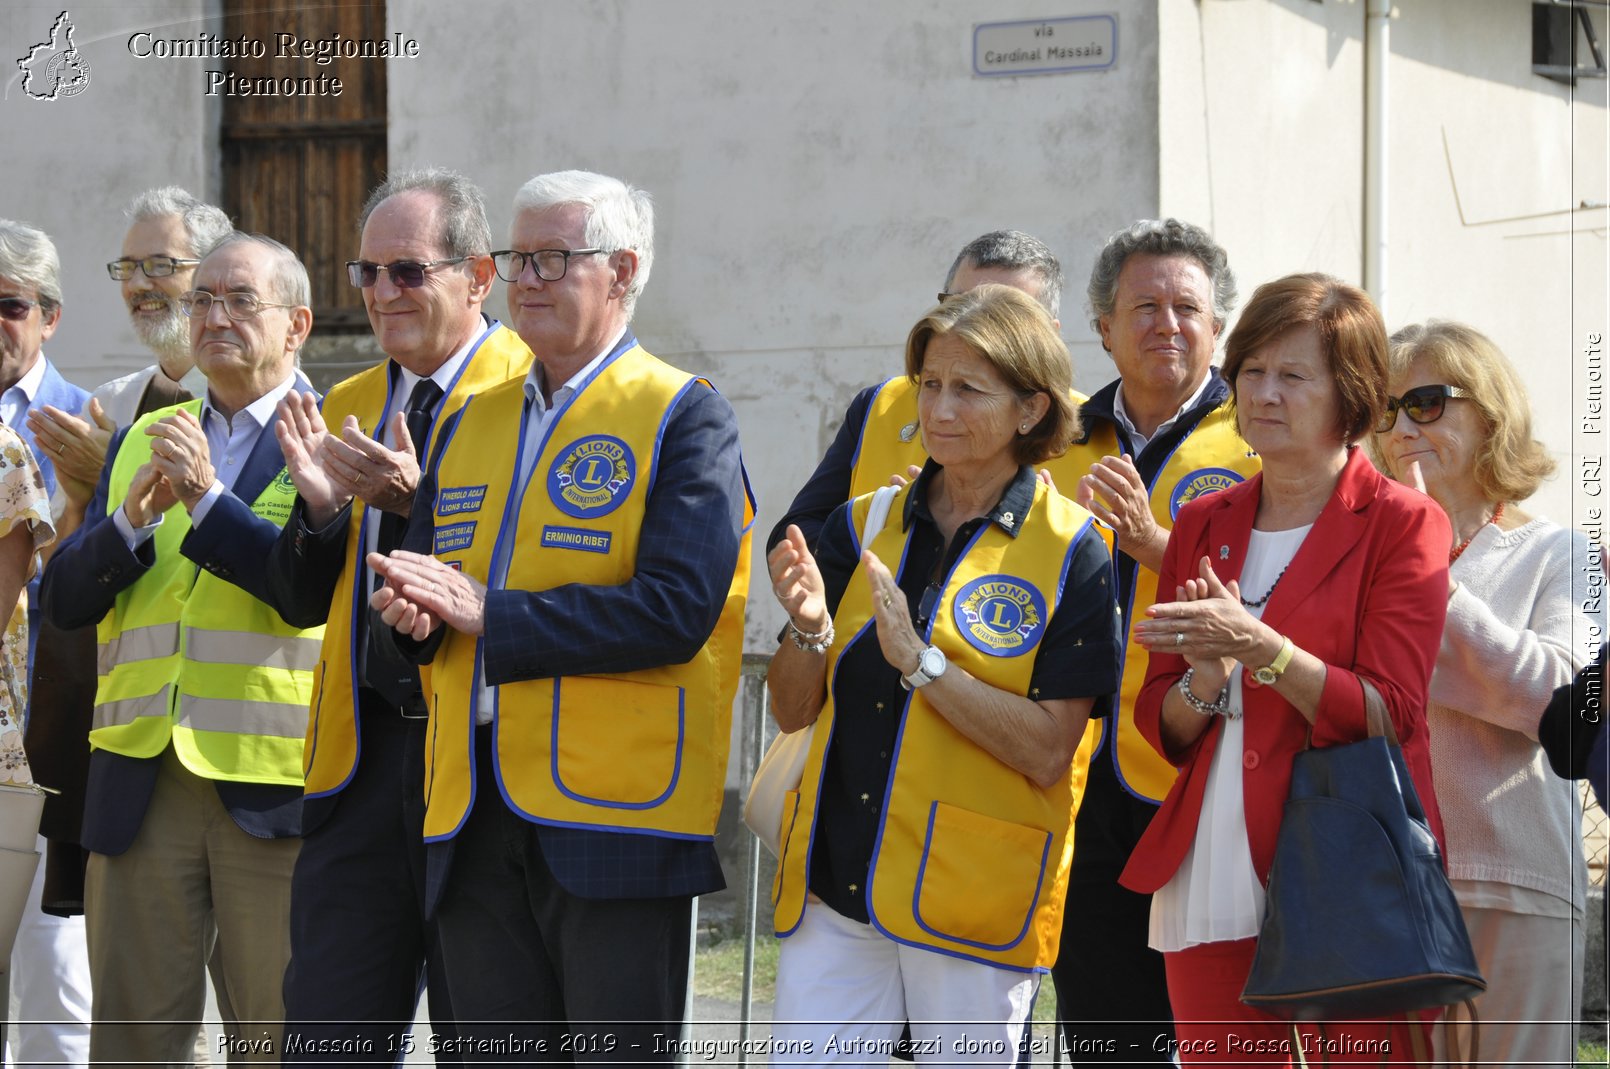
point(50, 974)
point(194, 799)
point(360, 942)
point(581, 613)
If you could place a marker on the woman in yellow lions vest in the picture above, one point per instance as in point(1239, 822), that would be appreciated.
point(924, 856)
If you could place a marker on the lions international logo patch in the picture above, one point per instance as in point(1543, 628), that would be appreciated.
point(1200, 483)
point(592, 476)
point(1000, 615)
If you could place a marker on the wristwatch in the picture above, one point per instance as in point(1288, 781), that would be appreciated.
point(1272, 671)
point(930, 666)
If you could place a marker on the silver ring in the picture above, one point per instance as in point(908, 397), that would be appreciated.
point(1179, 638)
point(887, 601)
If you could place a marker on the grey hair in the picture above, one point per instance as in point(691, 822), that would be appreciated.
point(619, 216)
point(1013, 250)
point(465, 231)
point(290, 281)
point(28, 258)
point(1160, 237)
point(204, 224)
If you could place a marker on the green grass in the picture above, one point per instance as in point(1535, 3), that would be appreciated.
point(1590, 1055)
point(718, 972)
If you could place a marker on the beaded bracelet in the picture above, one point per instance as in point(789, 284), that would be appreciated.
point(811, 641)
point(1220, 706)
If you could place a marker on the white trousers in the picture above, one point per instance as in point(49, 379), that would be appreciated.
point(1533, 969)
point(50, 982)
point(848, 990)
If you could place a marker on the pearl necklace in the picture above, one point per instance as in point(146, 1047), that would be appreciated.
point(1461, 547)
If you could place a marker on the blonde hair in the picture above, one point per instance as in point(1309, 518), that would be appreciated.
point(1015, 334)
point(1510, 464)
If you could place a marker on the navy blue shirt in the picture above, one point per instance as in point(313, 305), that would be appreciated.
point(1077, 658)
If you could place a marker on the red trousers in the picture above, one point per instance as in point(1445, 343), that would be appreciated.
point(1213, 1027)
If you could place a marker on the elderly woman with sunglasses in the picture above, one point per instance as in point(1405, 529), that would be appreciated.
point(927, 850)
point(1306, 600)
point(1519, 594)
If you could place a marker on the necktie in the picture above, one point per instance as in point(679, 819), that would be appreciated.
point(420, 414)
point(396, 679)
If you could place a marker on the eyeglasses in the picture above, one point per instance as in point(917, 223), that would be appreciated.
point(15, 308)
point(153, 266)
point(1423, 404)
point(237, 306)
point(945, 295)
point(405, 274)
point(550, 264)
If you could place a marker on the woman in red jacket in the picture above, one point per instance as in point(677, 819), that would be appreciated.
point(1304, 596)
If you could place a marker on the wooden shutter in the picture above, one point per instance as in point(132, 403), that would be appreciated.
point(298, 167)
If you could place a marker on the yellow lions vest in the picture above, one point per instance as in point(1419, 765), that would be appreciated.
point(972, 858)
point(891, 441)
point(642, 751)
point(332, 733)
point(186, 656)
point(1212, 457)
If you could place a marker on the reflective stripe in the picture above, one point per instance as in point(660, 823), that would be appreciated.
point(137, 644)
point(127, 711)
point(287, 652)
point(285, 720)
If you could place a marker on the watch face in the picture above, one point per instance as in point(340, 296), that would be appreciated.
point(932, 662)
point(1265, 675)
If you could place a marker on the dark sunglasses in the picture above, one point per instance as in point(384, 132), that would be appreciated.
point(1423, 404)
point(16, 307)
point(405, 274)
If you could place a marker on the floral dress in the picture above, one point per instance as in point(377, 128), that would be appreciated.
point(22, 500)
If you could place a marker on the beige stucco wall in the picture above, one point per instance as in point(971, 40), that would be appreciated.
point(69, 165)
point(1262, 119)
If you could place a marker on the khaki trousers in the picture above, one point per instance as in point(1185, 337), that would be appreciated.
point(191, 879)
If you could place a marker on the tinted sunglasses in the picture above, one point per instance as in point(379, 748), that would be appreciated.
point(16, 307)
point(1423, 404)
point(405, 274)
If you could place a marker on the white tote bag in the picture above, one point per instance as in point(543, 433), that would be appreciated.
point(784, 761)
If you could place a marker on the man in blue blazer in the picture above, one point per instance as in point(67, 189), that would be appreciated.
point(193, 808)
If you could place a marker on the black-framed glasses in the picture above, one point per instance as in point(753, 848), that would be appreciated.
point(238, 306)
point(15, 308)
point(158, 266)
point(550, 264)
point(945, 295)
point(405, 274)
point(1423, 404)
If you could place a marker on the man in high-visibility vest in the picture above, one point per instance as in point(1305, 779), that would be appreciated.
point(588, 525)
point(194, 803)
point(359, 937)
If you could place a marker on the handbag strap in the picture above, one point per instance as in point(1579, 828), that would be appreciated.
point(1377, 721)
point(878, 514)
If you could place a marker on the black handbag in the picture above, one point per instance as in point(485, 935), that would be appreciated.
point(1359, 919)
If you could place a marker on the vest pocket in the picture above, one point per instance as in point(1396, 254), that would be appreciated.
point(616, 743)
point(979, 878)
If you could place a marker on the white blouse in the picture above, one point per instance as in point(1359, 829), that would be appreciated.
point(1214, 896)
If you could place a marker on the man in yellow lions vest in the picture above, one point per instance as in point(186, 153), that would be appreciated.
point(359, 938)
point(1159, 435)
point(582, 616)
point(878, 437)
point(194, 801)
